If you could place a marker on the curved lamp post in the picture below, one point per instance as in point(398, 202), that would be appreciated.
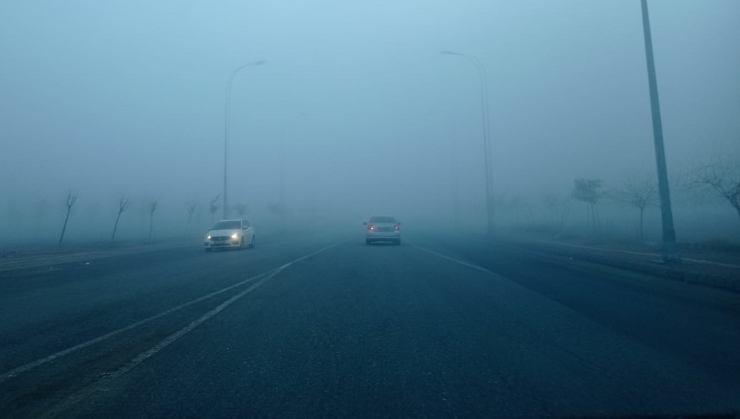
point(486, 134)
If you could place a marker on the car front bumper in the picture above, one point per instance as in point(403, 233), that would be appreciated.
point(383, 235)
point(222, 244)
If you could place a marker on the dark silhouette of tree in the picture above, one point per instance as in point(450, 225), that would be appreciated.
point(276, 209)
point(639, 192)
point(71, 200)
point(721, 177)
point(589, 192)
point(124, 203)
point(558, 208)
point(213, 207)
point(152, 208)
point(241, 209)
point(191, 211)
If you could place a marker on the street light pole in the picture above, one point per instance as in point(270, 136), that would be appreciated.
point(670, 253)
point(486, 136)
point(226, 132)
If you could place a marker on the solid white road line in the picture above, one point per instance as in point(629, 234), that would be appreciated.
point(100, 384)
point(34, 364)
point(23, 368)
point(97, 385)
point(469, 265)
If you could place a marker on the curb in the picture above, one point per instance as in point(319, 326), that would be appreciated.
point(713, 281)
point(92, 254)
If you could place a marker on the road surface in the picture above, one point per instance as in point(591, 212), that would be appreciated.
point(330, 327)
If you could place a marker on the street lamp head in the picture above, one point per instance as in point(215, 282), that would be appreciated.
point(260, 62)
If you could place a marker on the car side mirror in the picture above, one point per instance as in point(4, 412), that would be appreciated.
point(365, 223)
point(244, 227)
point(398, 223)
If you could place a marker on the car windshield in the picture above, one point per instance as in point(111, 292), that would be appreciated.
point(382, 220)
point(227, 225)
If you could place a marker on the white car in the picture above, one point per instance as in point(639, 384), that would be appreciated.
point(226, 234)
point(383, 228)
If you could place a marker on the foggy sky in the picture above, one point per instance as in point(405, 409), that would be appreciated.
point(112, 97)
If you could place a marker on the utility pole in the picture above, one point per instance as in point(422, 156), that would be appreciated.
point(670, 251)
point(485, 113)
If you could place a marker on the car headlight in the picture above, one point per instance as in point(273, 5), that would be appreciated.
point(208, 237)
point(234, 236)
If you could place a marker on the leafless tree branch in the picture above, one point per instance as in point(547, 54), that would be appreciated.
point(124, 202)
point(71, 200)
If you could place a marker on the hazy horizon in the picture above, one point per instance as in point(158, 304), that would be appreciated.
point(107, 99)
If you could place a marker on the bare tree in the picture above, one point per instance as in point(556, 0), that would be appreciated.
point(124, 202)
point(639, 192)
point(558, 209)
point(276, 209)
point(589, 192)
point(564, 215)
point(686, 192)
point(213, 207)
point(722, 177)
point(241, 209)
point(192, 205)
point(152, 206)
point(71, 200)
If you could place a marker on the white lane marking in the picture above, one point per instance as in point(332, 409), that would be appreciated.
point(23, 368)
point(95, 386)
point(34, 364)
point(470, 265)
point(180, 333)
point(726, 265)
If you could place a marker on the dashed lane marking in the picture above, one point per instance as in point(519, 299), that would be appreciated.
point(31, 365)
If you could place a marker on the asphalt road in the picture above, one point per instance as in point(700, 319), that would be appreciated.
point(330, 327)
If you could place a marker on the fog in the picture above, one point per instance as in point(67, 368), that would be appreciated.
point(357, 108)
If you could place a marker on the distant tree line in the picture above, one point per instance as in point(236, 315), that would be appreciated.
point(124, 202)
